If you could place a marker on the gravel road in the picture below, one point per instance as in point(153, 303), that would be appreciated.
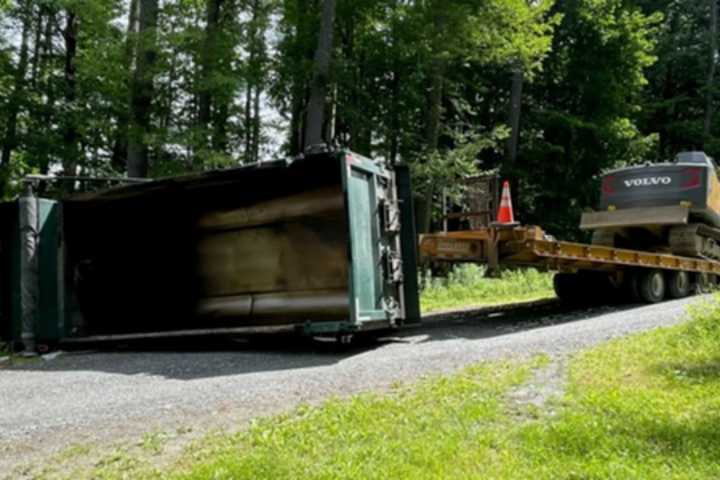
point(46, 406)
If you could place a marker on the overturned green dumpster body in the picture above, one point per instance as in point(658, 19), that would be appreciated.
point(321, 245)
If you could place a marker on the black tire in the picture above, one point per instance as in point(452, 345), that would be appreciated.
point(678, 284)
point(630, 286)
point(651, 286)
point(567, 287)
point(585, 288)
point(704, 283)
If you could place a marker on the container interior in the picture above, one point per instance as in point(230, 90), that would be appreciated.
point(9, 270)
point(263, 246)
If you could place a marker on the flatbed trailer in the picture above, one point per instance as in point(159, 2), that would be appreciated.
point(583, 270)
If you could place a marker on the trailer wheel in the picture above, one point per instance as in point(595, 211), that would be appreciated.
point(651, 286)
point(678, 284)
point(566, 286)
point(630, 286)
point(704, 283)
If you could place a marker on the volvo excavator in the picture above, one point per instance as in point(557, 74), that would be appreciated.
point(665, 208)
point(669, 207)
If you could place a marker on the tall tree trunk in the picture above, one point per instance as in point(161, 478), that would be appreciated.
point(13, 108)
point(257, 126)
point(666, 115)
point(299, 87)
point(70, 135)
point(321, 72)
point(248, 122)
point(252, 82)
point(395, 118)
point(710, 87)
point(395, 99)
point(120, 146)
point(220, 138)
point(432, 132)
point(141, 89)
point(48, 86)
point(434, 111)
point(36, 47)
point(514, 116)
point(208, 63)
point(297, 126)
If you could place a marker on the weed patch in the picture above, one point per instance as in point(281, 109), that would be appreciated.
point(467, 286)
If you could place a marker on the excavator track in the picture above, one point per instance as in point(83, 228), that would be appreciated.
point(695, 240)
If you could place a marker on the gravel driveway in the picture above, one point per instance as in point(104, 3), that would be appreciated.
point(78, 397)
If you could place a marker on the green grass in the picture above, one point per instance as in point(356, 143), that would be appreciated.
point(643, 407)
point(406, 434)
point(646, 407)
point(466, 286)
point(9, 358)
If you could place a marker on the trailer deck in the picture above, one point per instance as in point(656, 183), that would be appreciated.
point(530, 246)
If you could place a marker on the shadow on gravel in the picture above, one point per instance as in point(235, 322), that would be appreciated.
point(204, 357)
point(470, 326)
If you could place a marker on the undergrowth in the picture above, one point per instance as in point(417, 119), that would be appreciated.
point(467, 286)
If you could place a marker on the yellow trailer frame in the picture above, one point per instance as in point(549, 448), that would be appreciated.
point(530, 246)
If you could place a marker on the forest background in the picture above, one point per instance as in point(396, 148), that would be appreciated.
point(550, 93)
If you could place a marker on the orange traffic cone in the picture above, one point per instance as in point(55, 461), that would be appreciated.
point(505, 214)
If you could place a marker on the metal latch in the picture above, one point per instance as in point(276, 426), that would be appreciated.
point(391, 216)
point(393, 265)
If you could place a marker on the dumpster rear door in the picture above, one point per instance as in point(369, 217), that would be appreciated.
point(375, 276)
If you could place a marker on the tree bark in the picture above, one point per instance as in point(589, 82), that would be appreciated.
point(514, 116)
point(248, 122)
point(713, 33)
point(395, 100)
point(208, 62)
point(434, 112)
point(70, 134)
point(256, 126)
point(120, 146)
point(297, 128)
point(141, 90)
point(299, 86)
point(395, 119)
point(432, 132)
point(36, 47)
point(48, 86)
point(251, 81)
point(321, 72)
point(10, 138)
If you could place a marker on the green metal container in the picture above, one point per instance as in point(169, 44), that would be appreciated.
point(47, 313)
point(320, 245)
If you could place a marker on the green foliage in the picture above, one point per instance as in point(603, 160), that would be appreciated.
point(586, 102)
point(675, 100)
point(606, 83)
point(443, 170)
point(466, 286)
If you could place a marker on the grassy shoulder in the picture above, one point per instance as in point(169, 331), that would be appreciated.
point(643, 407)
point(466, 286)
